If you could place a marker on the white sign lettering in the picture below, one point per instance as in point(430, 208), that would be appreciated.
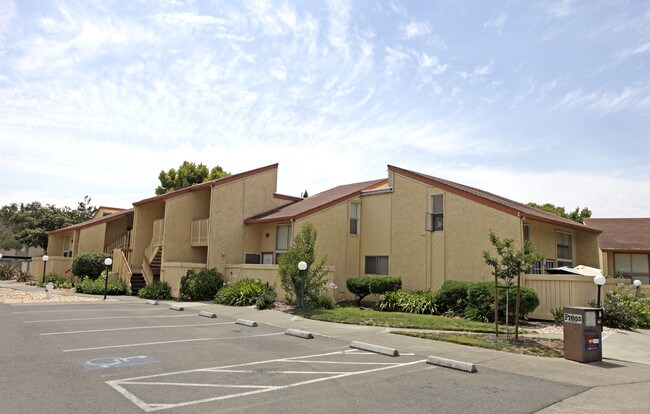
point(573, 318)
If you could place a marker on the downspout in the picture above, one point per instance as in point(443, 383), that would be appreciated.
point(521, 231)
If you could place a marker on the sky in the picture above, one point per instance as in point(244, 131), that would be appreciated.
point(542, 101)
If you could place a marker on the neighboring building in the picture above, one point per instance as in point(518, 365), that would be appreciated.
point(422, 228)
point(624, 246)
point(21, 258)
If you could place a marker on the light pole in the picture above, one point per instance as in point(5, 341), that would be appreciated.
point(108, 262)
point(45, 259)
point(302, 266)
point(637, 284)
point(599, 281)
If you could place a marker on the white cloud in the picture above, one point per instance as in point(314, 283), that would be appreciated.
point(629, 98)
point(627, 53)
point(339, 24)
point(558, 9)
point(496, 23)
point(415, 29)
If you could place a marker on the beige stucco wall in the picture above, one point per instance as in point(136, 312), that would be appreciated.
point(179, 213)
point(116, 229)
point(584, 244)
point(334, 243)
point(231, 204)
point(55, 243)
point(144, 216)
point(91, 239)
point(587, 252)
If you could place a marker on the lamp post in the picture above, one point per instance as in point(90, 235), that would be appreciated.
point(637, 284)
point(45, 259)
point(600, 281)
point(302, 266)
point(108, 262)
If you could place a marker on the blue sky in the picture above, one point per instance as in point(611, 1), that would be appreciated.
point(545, 101)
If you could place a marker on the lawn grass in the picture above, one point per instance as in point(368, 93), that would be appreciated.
point(364, 316)
point(552, 348)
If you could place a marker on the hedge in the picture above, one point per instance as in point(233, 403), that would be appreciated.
point(368, 285)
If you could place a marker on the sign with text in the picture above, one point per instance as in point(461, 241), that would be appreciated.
point(573, 318)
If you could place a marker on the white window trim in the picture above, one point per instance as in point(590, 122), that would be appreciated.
point(564, 262)
point(358, 219)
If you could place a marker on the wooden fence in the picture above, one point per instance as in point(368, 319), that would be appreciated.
point(557, 291)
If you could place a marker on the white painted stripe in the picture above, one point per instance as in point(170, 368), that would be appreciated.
point(156, 407)
point(244, 371)
point(136, 327)
point(308, 361)
point(109, 317)
point(92, 310)
point(182, 384)
point(235, 365)
point(168, 342)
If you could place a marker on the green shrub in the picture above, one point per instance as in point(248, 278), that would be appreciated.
point(422, 302)
point(452, 296)
point(322, 301)
point(7, 271)
point(558, 315)
point(368, 285)
point(59, 281)
point(23, 276)
point(96, 287)
point(245, 292)
point(156, 291)
point(528, 301)
point(201, 285)
point(623, 310)
point(391, 301)
point(480, 302)
point(266, 300)
point(89, 264)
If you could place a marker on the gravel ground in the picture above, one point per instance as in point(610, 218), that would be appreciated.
point(18, 296)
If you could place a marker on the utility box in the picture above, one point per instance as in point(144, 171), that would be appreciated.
point(583, 329)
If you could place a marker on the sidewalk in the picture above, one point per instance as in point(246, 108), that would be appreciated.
point(619, 383)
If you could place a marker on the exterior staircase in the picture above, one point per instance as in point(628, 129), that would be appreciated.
point(137, 283)
point(155, 265)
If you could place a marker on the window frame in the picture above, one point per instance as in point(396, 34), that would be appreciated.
point(377, 265)
point(435, 219)
point(278, 251)
point(356, 206)
point(564, 261)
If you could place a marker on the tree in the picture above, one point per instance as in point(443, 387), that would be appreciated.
point(576, 215)
point(509, 263)
point(188, 173)
point(303, 248)
point(30, 223)
point(304, 195)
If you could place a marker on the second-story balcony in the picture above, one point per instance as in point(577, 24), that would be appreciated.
point(199, 232)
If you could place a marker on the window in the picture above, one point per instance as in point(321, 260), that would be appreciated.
point(564, 251)
point(282, 240)
point(549, 264)
point(435, 217)
point(526, 232)
point(537, 268)
point(252, 258)
point(376, 265)
point(355, 213)
point(631, 264)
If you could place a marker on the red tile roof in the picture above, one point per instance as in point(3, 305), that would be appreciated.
point(621, 234)
point(492, 200)
point(315, 203)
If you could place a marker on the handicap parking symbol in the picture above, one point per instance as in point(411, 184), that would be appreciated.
point(114, 362)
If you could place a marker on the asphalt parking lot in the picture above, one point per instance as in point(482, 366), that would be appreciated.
point(131, 357)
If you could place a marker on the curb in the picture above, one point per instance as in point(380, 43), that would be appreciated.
point(299, 334)
point(450, 363)
point(375, 348)
point(246, 322)
point(208, 314)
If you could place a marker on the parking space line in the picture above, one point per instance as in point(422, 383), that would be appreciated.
point(110, 317)
point(119, 385)
point(181, 384)
point(342, 362)
point(170, 342)
point(130, 328)
point(90, 310)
